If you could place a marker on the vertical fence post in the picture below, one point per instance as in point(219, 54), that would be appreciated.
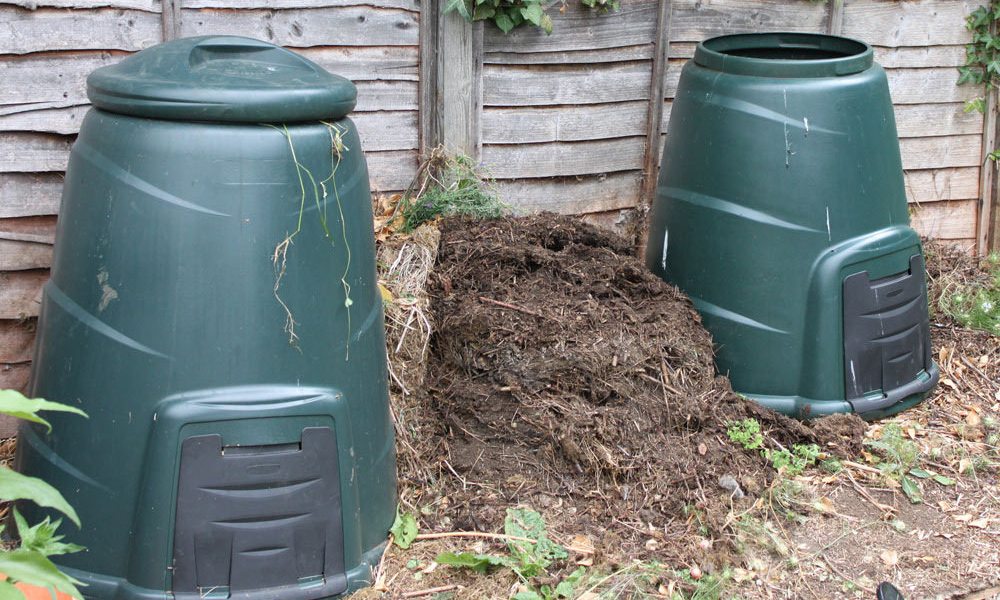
point(988, 227)
point(451, 75)
point(171, 19)
point(835, 17)
point(654, 116)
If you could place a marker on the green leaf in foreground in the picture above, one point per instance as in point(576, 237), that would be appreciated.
point(42, 537)
point(944, 480)
point(912, 490)
point(32, 567)
point(9, 592)
point(14, 486)
point(404, 529)
point(17, 405)
point(480, 563)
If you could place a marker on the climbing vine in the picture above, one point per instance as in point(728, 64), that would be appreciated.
point(510, 14)
point(982, 57)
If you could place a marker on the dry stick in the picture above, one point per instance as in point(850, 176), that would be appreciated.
point(483, 534)
point(429, 591)
point(885, 508)
point(512, 307)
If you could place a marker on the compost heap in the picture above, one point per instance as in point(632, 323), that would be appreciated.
point(565, 376)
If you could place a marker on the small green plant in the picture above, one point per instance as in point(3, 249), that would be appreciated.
point(976, 306)
point(404, 529)
point(28, 561)
point(510, 14)
point(459, 189)
point(899, 458)
point(530, 553)
point(746, 433)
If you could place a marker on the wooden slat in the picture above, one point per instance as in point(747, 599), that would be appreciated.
point(19, 256)
point(13, 377)
point(921, 86)
point(391, 171)
point(563, 123)
point(49, 80)
point(21, 293)
point(696, 20)
point(945, 220)
point(386, 95)
point(346, 26)
point(459, 84)
point(385, 63)
point(33, 152)
point(29, 194)
point(548, 85)
point(49, 120)
point(39, 230)
point(146, 5)
point(17, 340)
point(920, 57)
point(572, 195)
point(387, 130)
point(411, 5)
point(603, 55)
point(933, 120)
point(911, 23)
point(942, 184)
point(551, 160)
point(579, 28)
point(23, 31)
point(948, 151)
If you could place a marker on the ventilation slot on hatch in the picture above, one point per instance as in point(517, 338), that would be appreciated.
point(887, 354)
point(256, 522)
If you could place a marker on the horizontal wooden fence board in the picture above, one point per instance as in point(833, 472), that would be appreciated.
point(18, 256)
point(14, 377)
point(696, 20)
point(583, 57)
point(922, 86)
point(47, 120)
point(910, 23)
point(580, 28)
point(40, 229)
point(572, 195)
point(21, 293)
point(930, 185)
point(17, 340)
point(920, 57)
point(411, 5)
point(147, 5)
point(342, 26)
point(577, 84)
point(33, 152)
point(391, 171)
point(934, 120)
point(948, 151)
point(386, 95)
point(560, 158)
point(48, 80)
point(375, 63)
point(386, 130)
point(945, 220)
point(563, 123)
point(29, 194)
point(24, 31)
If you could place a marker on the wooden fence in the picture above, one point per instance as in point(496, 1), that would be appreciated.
point(572, 122)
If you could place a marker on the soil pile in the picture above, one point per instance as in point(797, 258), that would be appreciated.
point(563, 374)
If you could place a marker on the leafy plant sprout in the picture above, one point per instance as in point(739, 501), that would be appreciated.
point(510, 14)
point(279, 257)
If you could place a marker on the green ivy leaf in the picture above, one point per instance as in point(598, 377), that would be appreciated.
point(461, 7)
point(483, 12)
point(912, 490)
point(504, 22)
point(404, 529)
point(480, 563)
point(9, 592)
point(17, 405)
point(533, 13)
point(33, 568)
point(547, 24)
point(14, 486)
point(944, 480)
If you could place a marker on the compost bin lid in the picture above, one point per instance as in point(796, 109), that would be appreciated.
point(221, 78)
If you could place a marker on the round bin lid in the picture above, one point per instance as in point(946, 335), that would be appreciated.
point(221, 78)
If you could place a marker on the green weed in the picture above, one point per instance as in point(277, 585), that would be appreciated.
point(459, 190)
point(746, 433)
point(976, 306)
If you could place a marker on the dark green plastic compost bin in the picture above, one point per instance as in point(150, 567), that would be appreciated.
point(213, 308)
point(781, 211)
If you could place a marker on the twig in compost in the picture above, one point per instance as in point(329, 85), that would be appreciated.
point(430, 591)
point(482, 534)
point(512, 307)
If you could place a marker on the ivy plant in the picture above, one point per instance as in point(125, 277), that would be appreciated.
point(28, 562)
point(509, 14)
point(982, 55)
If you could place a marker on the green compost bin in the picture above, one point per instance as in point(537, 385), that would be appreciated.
point(781, 211)
point(213, 307)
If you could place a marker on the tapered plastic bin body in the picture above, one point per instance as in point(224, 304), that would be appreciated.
point(781, 211)
point(213, 308)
